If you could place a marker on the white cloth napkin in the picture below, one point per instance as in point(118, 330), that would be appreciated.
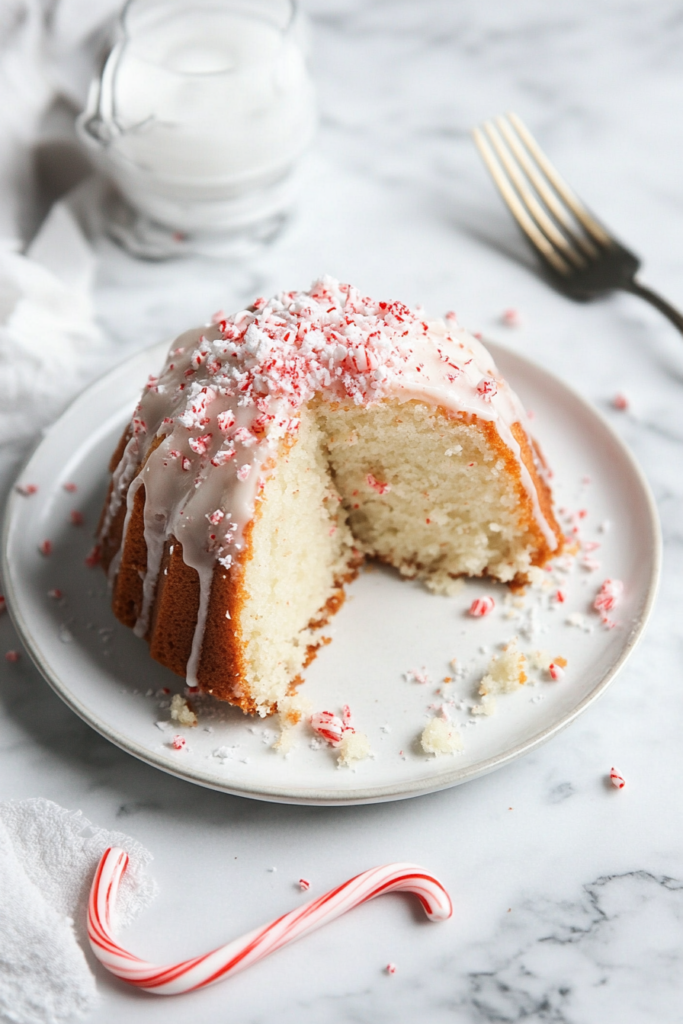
point(49, 49)
point(48, 856)
point(49, 340)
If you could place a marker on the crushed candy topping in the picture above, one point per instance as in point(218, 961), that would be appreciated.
point(481, 606)
point(329, 726)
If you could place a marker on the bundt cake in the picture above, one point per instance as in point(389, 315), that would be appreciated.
point(281, 445)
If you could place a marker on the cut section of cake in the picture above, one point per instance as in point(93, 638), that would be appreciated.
point(280, 446)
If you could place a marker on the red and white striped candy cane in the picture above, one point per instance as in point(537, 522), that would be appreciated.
point(174, 979)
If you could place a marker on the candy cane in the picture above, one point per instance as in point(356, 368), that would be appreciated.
point(174, 979)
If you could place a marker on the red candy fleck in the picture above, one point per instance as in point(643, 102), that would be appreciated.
point(26, 490)
point(390, 968)
point(487, 388)
point(76, 517)
point(45, 548)
point(511, 318)
point(482, 606)
point(56, 594)
point(376, 485)
point(617, 780)
point(3, 603)
point(560, 595)
point(71, 488)
point(556, 671)
point(12, 656)
point(304, 884)
point(94, 557)
point(328, 726)
point(243, 472)
point(179, 743)
point(620, 401)
point(186, 464)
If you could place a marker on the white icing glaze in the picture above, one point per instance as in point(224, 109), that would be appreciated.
point(229, 394)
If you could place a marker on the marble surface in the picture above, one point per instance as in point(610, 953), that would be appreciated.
point(568, 894)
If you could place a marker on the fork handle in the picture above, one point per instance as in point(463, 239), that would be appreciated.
point(656, 300)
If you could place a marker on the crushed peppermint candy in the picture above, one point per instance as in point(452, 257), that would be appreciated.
point(511, 318)
point(555, 671)
point(620, 402)
point(487, 388)
point(12, 656)
point(179, 743)
point(414, 675)
point(608, 596)
point(245, 437)
point(45, 548)
point(3, 603)
point(328, 725)
point(390, 968)
point(225, 420)
point(71, 488)
point(617, 780)
point(199, 445)
point(376, 485)
point(304, 884)
point(76, 517)
point(56, 594)
point(26, 490)
point(94, 556)
point(481, 606)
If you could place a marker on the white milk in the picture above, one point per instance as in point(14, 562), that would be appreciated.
point(199, 109)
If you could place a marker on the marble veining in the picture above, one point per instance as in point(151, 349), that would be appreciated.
point(568, 894)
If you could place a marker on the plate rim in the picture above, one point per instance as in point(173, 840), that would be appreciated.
point(321, 796)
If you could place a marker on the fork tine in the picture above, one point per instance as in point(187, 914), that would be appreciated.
point(529, 199)
point(559, 211)
point(592, 226)
point(528, 226)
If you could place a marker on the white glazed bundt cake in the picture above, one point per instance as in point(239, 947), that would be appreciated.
point(279, 446)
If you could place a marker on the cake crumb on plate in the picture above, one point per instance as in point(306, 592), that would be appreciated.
point(440, 737)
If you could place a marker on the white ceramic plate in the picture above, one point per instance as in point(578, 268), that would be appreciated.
point(386, 628)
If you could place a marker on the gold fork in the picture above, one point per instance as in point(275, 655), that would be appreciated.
point(577, 253)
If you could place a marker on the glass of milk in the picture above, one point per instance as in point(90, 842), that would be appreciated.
point(199, 118)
